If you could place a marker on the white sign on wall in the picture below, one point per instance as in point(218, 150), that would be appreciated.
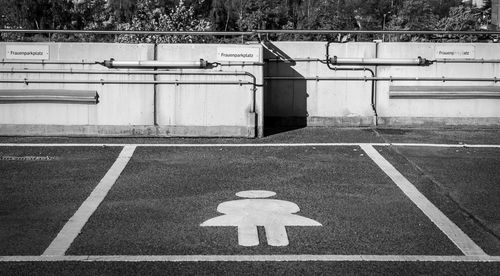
point(25, 51)
point(455, 51)
point(249, 54)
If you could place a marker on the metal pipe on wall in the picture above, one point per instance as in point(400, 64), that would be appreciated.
point(373, 89)
point(44, 62)
point(28, 81)
point(391, 79)
point(419, 61)
point(481, 60)
point(465, 61)
point(142, 72)
point(125, 64)
point(70, 62)
point(155, 88)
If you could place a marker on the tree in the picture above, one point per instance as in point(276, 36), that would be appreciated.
point(151, 17)
point(260, 14)
point(38, 14)
point(460, 19)
point(413, 15)
point(442, 7)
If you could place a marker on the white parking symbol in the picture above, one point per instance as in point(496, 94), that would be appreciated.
point(256, 210)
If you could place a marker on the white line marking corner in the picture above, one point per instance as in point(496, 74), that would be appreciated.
point(72, 228)
point(448, 227)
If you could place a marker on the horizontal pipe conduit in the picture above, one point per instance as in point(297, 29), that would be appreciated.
point(481, 60)
point(199, 64)
point(69, 62)
point(379, 61)
point(391, 79)
point(44, 62)
point(121, 72)
point(102, 82)
point(54, 62)
point(138, 72)
point(443, 79)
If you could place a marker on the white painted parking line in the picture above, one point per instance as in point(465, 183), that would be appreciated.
point(254, 145)
point(450, 229)
point(72, 228)
point(253, 258)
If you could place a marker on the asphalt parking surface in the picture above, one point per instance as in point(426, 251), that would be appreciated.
point(37, 197)
point(464, 182)
point(163, 194)
point(249, 268)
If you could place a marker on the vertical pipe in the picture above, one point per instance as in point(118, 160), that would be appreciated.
point(374, 88)
point(373, 73)
point(155, 87)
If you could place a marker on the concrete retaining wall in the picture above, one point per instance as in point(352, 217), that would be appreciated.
point(316, 103)
point(119, 104)
point(211, 106)
point(129, 109)
point(238, 110)
point(347, 103)
point(437, 112)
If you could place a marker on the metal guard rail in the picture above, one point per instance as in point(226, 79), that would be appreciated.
point(250, 33)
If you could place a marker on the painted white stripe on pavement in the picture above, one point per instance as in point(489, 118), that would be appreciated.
point(254, 145)
point(450, 229)
point(442, 145)
point(193, 145)
point(251, 258)
point(75, 224)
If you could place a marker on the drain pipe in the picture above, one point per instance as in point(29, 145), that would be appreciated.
point(374, 95)
point(155, 88)
point(364, 69)
point(419, 61)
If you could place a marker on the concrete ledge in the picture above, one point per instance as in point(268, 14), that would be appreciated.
point(438, 121)
point(127, 131)
point(348, 121)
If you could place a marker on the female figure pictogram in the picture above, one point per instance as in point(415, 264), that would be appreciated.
point(246, 214)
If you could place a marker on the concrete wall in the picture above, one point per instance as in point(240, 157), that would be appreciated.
point(210, 108)
point(226, 110)
point(119, 105)
point(316, 102)
point(347, 103)
point(437, 111)
point(128, 109)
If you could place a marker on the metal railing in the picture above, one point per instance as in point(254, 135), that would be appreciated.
point(249, 33)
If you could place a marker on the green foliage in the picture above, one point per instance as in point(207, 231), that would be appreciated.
point(414, 15)
point(460, 19)
point(411, 16)
point(150, 17)
point(236, 15)
point(260, 14)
